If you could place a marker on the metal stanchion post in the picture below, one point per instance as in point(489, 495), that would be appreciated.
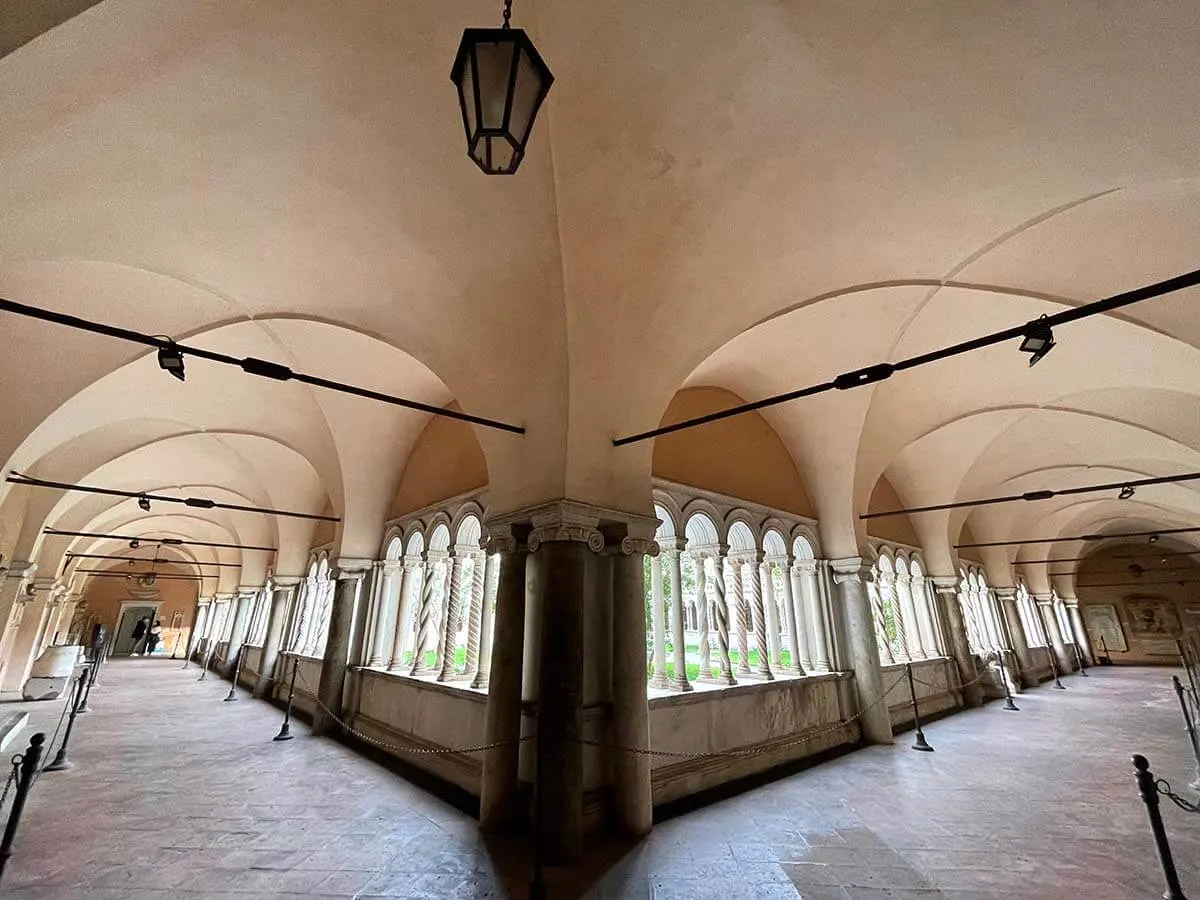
point(61, 763)
point(1187, 668)
point(24, 775)
point(88, 690)
point(237, 673)
point(1008, 697)
point(1105, 659)
point(1079, 659)
point(1190, 724)
point(285, 730)
point(920, 743)
point(1149, 792)
point(207, 661)
point(537, 886)
point(1054, 668)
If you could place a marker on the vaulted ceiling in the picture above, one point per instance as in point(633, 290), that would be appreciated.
point(756, 196)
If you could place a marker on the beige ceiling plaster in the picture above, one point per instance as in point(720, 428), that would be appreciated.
point(698, 171)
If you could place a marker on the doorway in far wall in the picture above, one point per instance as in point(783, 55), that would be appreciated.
point(127, 620)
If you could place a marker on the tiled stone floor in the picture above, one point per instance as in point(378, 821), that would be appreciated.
point(178, 795)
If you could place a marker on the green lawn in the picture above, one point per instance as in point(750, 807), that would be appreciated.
point(693, 668)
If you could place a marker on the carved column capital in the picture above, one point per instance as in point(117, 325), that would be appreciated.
point(945, 584)
point(640, 546)
point(850, 569)
point(351, 569)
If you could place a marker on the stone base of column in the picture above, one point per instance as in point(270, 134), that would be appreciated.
point(660, 681)
point(682, 686)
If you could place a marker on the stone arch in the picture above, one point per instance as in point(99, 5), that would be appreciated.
point(439, 537)
point(701, 531)
point(741, 538)
point(700, 506)
point(774, 544)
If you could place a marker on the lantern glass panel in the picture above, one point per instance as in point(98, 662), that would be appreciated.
point(468, 99)
point(494, 65)
point(526, 96)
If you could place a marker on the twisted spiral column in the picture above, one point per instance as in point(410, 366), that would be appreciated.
point(451, 620)
point(424, 614)
point(760, 628)
point(702, 617)
point(474, 616)
point(491, 581)
point(720, 608)
point(743, 616)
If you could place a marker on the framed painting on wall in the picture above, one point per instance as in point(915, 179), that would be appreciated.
point(1153, 617)
point(1102, 621)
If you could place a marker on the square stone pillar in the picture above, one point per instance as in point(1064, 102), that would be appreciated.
point(350, 575)
point(954, 629)
point(1015, 629)
point(282, 594)
point(851, 575)
point(584, 671)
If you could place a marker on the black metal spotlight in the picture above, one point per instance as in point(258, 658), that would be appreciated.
point(1126, 492)
point(1154, 539)
point(134, 544)
point(501, 82)
point(1038, 340)
point(144, 503)
point(171, 360)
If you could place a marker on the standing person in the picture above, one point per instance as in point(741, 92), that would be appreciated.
point(153, 637)
point(140, 632)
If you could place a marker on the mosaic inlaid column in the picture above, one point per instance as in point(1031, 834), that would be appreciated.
point(387, 604)
point(742, 610)
point(679, 681)
point(772, 610)
point(658, 625)
point(763, 669)
point(490, 582)
point(800, 659)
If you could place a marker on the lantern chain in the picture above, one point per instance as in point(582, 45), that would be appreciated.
point(507, 12)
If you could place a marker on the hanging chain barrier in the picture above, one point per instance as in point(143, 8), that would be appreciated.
point(12, 777)
point(641, 751)
point(1164, 789)
point(400, 748)
point(953, 687)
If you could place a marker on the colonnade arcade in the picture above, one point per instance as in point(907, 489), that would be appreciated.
point(733, 594)
point(906, 623)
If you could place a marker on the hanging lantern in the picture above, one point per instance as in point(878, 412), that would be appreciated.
point(501, 82)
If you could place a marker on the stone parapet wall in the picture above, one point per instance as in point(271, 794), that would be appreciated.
point(768, 718)
point(410, 712)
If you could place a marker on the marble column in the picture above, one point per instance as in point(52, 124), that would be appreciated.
point(411, 586)
point(33, 615)
point(814, 618)
point(474, 616)
point(1006, 597)
point(203, 612)
point(720, 620)
point(277, 615)
point(630, 710)
point(850, 575)
point(671, 549)
point(451, 617)
point(562, 565)
point(387, 604)
point(772, 611)
point(1081, 636)
point(908, 617)
point(486, 623)
point(658, 623)
point(345, 606)
point(499, 797)
point(702, 623)
point(434, 574)
point(797, 666)
point(742, 609)
point(763, 670)
point(950, 611)
point(1045, 605)
point(14, 580)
